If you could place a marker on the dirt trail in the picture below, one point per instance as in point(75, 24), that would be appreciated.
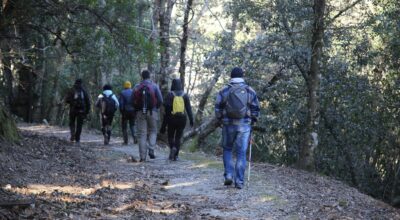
point(92, 181)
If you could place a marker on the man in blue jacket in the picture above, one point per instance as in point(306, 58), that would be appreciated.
point(127, 112)
point(236, 107)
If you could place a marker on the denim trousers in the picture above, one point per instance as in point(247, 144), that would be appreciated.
point(235, 136)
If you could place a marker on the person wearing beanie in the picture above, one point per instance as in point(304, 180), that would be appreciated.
point(147, 100)
point(79, 107)
point(177, 110)
point(107, 103)
point(127, 112)
point(237, 108)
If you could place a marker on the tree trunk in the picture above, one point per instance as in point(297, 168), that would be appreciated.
point(154, 29)
point(306, 157)
point(8, 129)
point(184, 42)
point(165, 20)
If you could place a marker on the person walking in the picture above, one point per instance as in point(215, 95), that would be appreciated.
point(108, 104)
point(79, 107)
point(127, 112)
point(236, 107)
point(147, 100)
point(177, 110)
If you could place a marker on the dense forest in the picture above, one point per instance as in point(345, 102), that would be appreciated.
point(326, 72)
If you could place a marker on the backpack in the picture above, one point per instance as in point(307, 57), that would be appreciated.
point(144, 97)
point(236, 102)
point(178, 104)
point(107, 105)
point(78, 101)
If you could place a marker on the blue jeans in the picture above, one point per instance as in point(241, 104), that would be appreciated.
point(235, 136)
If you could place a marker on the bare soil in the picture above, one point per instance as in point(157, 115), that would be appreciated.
point(62, 180)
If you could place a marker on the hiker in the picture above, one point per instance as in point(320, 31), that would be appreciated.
point(127, 112)
point(147, 100)
point(236, 108)
point(79, 107)
point(107, 103)
point(177, 109)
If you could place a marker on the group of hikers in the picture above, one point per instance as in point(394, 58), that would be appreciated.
point(236, 108)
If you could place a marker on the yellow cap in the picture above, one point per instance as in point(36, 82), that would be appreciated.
point(127, 85)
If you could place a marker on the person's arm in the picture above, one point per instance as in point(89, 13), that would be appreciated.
point(87, 102)
point(97, 104)
point(121, 102)
point(254, 105)
point(116, 100)
point(218, 105)
point(167, 114)
point(188, 108)
point(159, 96)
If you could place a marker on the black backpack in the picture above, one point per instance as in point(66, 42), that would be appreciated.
point(78, 100)
point(236, 102)
point(108, 106)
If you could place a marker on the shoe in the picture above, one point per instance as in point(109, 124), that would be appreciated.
point(105, 140)
point(172, 154)
point(72, 139)
point(135, 140)
point(176, 158)
point(239, 186)
point(228, 182)
point(125, 143)
point(142, 160)
point(151, 154)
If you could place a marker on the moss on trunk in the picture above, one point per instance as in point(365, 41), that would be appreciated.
point(8, 129)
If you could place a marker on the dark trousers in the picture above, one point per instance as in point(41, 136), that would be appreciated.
point(128, 117)
point(106, 121)
point(176, 125)
point(75, 125)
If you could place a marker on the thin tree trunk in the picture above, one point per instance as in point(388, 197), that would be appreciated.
point(306, 159)
point(165, 20)
point(184, 41)
point(154, 28)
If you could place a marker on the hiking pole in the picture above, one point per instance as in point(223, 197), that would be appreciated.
point(250, 144)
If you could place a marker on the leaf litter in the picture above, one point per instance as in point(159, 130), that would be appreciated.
point(92, 181)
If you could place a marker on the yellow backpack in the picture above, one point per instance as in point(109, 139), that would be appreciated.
point(178, 105)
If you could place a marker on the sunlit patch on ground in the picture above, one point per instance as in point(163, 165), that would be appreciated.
point(47, 189)
point(185, 184)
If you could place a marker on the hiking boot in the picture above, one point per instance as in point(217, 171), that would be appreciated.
point(172, 154)
point(151, 154)
point(228, 182)
point(239, 186)
point(105, 140)
point(72, 138)
point(142, 160)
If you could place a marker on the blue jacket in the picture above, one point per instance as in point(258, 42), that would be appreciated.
point(126, 100)
point(253, 106)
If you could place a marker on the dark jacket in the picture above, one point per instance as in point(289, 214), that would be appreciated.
point(69, 99)
point(176, 89)
point(126, 101)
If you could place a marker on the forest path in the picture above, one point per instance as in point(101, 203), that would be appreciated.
point(102, 182)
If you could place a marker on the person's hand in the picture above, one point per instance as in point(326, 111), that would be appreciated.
point(253, 121)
